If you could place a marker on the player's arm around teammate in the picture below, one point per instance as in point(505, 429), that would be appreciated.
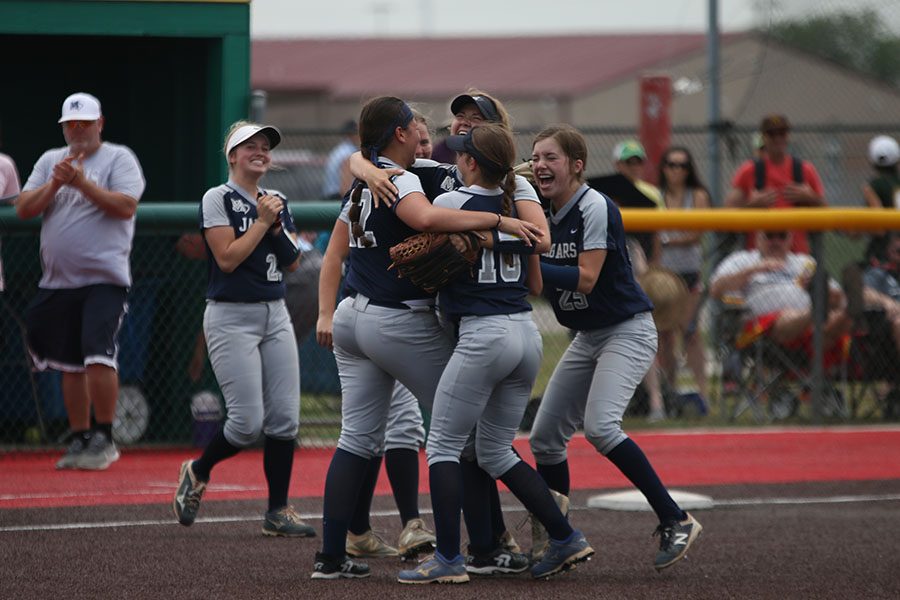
point(469, 111)
point(589, 282)
point(489, 377)
point(385, 329)
point(251, 240)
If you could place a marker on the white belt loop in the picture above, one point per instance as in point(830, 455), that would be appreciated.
point(360, 302)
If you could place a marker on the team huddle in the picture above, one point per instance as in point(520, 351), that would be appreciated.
point(451, 338)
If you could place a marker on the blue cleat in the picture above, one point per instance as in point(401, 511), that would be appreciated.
point(562, 556)
point(674, 541)
point(437, 569)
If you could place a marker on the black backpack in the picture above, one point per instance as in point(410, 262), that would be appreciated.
point(759, 172)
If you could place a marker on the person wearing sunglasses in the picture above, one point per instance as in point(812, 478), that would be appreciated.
point(87, 194)
point(681, 252)
point(778, 179)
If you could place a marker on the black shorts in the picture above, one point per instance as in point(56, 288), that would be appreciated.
point(72, 328)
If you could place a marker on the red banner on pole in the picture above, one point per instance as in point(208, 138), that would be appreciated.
point(655, 120)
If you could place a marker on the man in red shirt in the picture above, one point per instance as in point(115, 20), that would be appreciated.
point(774, 180)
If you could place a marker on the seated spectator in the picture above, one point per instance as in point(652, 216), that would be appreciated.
point(882, 285)
point(773, 283)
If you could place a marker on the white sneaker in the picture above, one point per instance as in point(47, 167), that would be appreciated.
point(99, 453)
point(415, 539)
point(69, 460)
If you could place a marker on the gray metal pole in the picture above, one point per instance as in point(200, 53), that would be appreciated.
point(819, 301)
point(715, 117)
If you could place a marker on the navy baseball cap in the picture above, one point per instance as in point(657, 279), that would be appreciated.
point(464, 143)
point(485, 106)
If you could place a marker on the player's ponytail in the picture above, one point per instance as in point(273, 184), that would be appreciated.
point(496, 152)
point(378, 120)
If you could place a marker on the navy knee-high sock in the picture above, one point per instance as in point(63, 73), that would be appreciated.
point(215, 452)
point(477, 507)
point(278, 461)
point(345, 475)
point(556, 476)
point(359, 523)
point(630, 459)
point(531, 490)
point(498, 526)
point(446, 491)
point(402, 465)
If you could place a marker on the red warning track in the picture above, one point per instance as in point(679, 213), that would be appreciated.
point(28, 479)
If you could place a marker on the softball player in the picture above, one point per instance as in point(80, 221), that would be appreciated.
point(250, 240)
point(386, 330)
point(489, 377)
point(405, 434)
point(469, 110)
point(588, 280)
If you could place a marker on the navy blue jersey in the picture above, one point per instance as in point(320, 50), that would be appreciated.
point(258, 278)
point(368, 272)
point(591, 221)
point(438, 178)
point(497, 283)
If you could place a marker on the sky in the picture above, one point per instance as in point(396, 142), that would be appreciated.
point(415, 18)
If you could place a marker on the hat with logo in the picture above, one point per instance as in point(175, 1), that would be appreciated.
point(485, 106)
point(884, 151)
point(80, 107)
point(629, 149)
point(774, 123)
point(242, 134)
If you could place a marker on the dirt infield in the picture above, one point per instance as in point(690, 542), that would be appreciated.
point(824, 539)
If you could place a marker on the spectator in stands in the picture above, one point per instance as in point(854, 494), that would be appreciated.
point(681, 253)
point(882, 284)
point(9, 190)
point(425, 147)
point(87, 193)
point(773, 282)
point(629, 157)
point(337, 167)
point(883, 190)
point(777, 179)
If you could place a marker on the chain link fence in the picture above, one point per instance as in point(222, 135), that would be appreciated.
point(838, 152)
point(169, 394)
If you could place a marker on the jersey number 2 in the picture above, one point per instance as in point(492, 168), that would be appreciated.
point(273, 273)
point(365, 201)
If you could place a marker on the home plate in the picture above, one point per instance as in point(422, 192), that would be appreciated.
point(634, 500)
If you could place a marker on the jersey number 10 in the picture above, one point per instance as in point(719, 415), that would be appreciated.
point(509, 273)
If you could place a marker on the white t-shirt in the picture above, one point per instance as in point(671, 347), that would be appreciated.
point(771, 291)
point(80, 244)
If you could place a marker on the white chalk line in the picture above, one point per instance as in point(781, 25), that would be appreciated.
point(734, 502)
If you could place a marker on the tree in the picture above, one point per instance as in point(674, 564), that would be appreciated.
point(856, 40)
